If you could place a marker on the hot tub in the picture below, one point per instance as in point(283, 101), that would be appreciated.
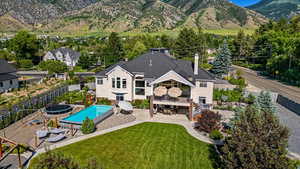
point(58, 109)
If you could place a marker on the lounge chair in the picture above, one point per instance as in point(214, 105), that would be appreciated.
point(56, 138)
point(42, 133)
point(57, 131)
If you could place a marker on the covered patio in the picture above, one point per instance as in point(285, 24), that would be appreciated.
point(171, 96)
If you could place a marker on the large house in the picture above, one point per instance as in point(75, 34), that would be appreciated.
point(66, 55)
point(157, 76)
point(8, 77)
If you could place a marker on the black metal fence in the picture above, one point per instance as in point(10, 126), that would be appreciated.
point(26, 107)
point(289, 104)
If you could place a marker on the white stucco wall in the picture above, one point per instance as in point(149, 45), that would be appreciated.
point(207, 92)
point(106, 90)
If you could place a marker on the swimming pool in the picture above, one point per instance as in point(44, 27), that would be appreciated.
point(96, 113)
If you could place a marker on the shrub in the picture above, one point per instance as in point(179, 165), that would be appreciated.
point(235, 95)
point(25, 63)
point(103, 101)
point(141, 104)
point(216, 135)
point(88, 126)
point(51, 160)
point(209, 121)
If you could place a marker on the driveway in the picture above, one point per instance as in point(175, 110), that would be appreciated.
point(292, 121)
point(264, 83)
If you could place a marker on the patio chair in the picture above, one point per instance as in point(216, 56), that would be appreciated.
point(57, 131)
point(42, 133)
point(56, 138)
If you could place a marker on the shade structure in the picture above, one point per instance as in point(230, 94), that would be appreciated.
point(174, 92)
point(160, 91)
point(125, 106)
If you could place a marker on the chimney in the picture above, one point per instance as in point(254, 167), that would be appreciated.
point(196, 64)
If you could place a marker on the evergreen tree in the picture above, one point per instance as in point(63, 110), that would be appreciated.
point(264, 102)
point(114, 51)
point(84, 61)
point(222, 61)
point(187, 44)
point(257, 141)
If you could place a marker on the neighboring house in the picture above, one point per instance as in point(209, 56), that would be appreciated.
point(8, 77)
point(141, 78)
point(66, 55)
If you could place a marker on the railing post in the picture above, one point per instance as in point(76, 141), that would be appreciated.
point(151, 106)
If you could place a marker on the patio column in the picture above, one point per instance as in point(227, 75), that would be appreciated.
point(151, 106)
point(191, 110)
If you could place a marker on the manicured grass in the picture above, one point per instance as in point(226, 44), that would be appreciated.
point(145, 146)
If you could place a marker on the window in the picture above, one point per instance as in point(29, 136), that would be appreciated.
point(148, 84)
point(202, 100)
point(139, 91)
point(1, 84)
point(124, 84)
point(99, 81)
point(118, 82)
point(203, 84)
point(119, 97)
point(140, 83)
point(113, 83)
point(140, 87)
point(11, 82)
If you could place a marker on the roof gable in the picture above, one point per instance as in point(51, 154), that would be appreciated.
point(172, 75)
point(5, 67)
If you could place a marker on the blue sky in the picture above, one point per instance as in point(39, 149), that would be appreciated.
point(244, 2)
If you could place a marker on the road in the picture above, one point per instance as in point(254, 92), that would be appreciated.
point(264, 83)
point(287, 117)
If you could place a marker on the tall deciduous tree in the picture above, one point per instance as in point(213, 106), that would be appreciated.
point(53, 66)
point(114, 50)
point(25, 45)
point(222, 61)
point(138, 49)
point(257, 141)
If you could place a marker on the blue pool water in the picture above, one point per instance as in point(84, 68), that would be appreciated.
point(91, 112)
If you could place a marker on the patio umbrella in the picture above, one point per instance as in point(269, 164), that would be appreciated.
point(160, 91)
point(174, 92)
point(125, 106)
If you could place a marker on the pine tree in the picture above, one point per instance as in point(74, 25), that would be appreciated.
point(189, 43)
point(114, 50)
point(257, 141)
point(222, 61)
point(264, 102)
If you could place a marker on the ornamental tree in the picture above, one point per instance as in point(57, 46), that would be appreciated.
point(209, 121)
point(222, 61)
point(264, 102)
point(257, 141)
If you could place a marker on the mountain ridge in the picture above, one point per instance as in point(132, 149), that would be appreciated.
point(128, 15)
point(276, 9)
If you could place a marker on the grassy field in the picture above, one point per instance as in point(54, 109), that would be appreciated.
point(145, 146)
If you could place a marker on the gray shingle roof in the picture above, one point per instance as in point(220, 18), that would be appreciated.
point(154, 65)
point(6, 67)
point(73, 54)
point(4, 77)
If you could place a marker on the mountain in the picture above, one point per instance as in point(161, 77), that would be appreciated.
point(276, 9)
point(125, 15)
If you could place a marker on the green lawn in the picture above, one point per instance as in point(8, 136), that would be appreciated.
point(145, 146)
